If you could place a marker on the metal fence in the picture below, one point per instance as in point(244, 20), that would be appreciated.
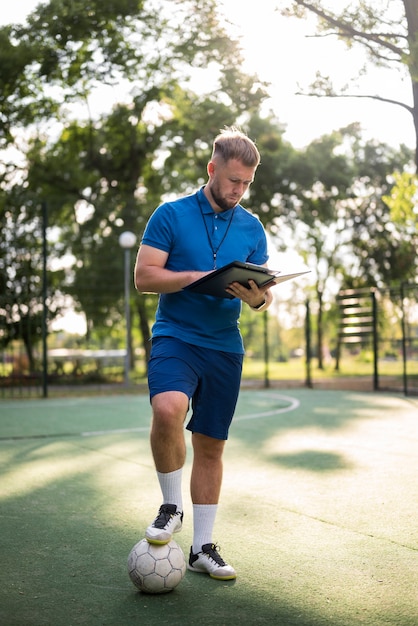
point(380, 326)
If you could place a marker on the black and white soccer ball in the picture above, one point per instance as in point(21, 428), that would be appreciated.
point(154, 568)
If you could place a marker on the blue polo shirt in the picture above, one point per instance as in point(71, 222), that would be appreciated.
point(178, 228)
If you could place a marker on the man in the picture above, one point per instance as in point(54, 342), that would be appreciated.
point(197, 349)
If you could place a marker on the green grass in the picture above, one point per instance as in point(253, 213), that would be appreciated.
point(295, 369)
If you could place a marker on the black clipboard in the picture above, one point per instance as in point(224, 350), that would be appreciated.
point(215, 283)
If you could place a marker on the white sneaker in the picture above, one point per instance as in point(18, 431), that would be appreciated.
point(209, 561)
point(167, 522)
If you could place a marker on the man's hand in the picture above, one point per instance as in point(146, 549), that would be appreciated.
point(254, 296)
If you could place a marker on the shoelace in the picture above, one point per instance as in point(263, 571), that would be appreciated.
point(213, 554)
point(162, 518)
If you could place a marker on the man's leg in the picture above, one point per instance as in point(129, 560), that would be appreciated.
point(167, 431)
point(206, 479)
point(169, 451)
point(205, 487)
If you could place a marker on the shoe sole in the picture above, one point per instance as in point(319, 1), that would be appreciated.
point(162, 542)
point(201, 571)
point(156, 542)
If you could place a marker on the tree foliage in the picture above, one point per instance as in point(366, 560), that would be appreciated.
point(336, 219)
point(102, 173)
point(403, 199)
point(68, 48)
point(21, 272)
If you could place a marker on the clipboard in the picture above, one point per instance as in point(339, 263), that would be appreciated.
point(215, 283)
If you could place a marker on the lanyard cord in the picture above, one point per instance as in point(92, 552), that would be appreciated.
point(215, 250)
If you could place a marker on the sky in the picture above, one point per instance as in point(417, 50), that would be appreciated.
point(283, 52)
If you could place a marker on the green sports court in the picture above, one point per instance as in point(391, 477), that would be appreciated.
point(318, 514)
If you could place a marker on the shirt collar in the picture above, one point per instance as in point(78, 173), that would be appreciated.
point(207, 209)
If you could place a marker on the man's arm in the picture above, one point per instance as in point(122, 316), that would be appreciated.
point(151, 275)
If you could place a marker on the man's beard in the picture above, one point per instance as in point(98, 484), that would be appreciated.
point(222, 204)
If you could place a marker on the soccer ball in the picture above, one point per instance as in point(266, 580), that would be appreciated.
point(156, 569)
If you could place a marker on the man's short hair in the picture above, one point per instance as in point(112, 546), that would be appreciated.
point(232, 143)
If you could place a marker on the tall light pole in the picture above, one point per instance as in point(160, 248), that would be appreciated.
point(127, 240)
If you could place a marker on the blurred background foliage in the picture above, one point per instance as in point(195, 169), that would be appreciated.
point(73, 178)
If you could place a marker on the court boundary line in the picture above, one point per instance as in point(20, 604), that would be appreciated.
point(294, 403)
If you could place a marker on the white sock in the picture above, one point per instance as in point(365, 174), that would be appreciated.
point(170, 484)
point(203, 522)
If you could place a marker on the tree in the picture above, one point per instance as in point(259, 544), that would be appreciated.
point(403, 200)
point(387, 31)
point(334, 214)
point(323, 177)
point(105, 173)
point(402, 204)
point(21, 268)
point(383, 254)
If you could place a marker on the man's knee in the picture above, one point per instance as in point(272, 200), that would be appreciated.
point(169, 409)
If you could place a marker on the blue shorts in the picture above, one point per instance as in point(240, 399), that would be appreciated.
point(210, 378)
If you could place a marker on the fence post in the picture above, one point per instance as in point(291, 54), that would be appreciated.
point(404, 340)
point(308, 379)
point(44, 302)
point(266, 351)
point(375, 342)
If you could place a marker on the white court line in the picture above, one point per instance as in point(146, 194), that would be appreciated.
point(293, 404)
point(117, 431)
point(20, 403)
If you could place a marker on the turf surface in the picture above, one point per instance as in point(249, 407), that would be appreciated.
point(318, 513)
